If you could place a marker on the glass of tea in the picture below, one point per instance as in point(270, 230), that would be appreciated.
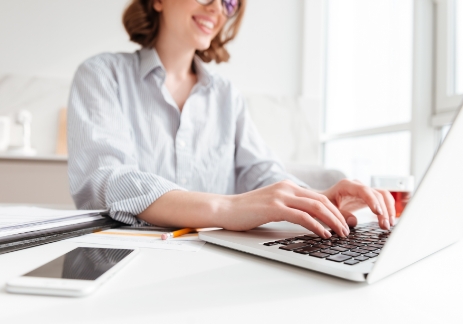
point(401, 188)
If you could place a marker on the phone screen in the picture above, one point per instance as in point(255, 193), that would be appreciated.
point(82, 263)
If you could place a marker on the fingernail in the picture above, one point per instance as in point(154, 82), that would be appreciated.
point(345, 232)
point(386, 224)
point(392, 221)
point(327, 234)
point(351, 221)
point(379, 210)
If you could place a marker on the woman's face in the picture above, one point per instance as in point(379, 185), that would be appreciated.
point(189, 22)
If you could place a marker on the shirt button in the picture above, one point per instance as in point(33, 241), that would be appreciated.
point(181, 143)
point(184, 181)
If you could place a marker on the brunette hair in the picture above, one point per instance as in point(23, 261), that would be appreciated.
point(141, 22)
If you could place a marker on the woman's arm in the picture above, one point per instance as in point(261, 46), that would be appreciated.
point(282, 201)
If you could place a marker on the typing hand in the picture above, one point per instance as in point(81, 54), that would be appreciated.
point(285, 201)
point(349, 196)
point(282, 201)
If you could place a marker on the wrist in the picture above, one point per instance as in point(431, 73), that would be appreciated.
point(221, 210)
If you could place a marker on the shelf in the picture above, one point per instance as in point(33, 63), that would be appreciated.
point(40, 157)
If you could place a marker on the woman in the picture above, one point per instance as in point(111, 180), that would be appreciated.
point(157, 139)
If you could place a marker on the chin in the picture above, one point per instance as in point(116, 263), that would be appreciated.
point(203, 47)
point(202, 44)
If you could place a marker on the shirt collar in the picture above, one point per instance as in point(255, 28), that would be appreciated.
point(150, 61)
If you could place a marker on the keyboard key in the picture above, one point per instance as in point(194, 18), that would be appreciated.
point(352, 254)
point(324, 246)
point(340, 249)
point(270, 243)
point(329, 251)
point(369, 248)
point(351, 262)
point(348, 246)
point(307, 250)
point(366, 241)
point(376, 246)
point(319, 255)
point(291, 247)
point(359, 251)
point(339, 258)
point(371, 255)
point(361, 258)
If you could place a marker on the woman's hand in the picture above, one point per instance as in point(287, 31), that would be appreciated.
point(349, 196)
point(284, 201)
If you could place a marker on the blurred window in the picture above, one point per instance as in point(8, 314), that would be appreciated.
point(369, 64)
point(362, 157)
point(368, 87)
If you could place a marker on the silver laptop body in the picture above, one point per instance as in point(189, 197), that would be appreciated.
point(432, 220)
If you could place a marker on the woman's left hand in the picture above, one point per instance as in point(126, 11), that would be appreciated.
point(349, 196)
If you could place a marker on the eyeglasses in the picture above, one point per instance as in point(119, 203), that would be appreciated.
point(230, 7)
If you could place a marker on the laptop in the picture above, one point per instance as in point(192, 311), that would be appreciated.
point(432, 220)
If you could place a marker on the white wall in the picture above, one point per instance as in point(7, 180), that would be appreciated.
point(51, 37)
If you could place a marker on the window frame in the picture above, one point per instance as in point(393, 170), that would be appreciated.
point(446, 103)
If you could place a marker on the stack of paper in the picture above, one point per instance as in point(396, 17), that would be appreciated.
point(17, 220)
point(22, 227)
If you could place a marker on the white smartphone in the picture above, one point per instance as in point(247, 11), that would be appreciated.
point(76, 273)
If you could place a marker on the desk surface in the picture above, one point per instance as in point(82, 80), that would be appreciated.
point(219, 285)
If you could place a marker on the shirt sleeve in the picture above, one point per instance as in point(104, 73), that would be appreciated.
point(256, 165)
point(103, 169)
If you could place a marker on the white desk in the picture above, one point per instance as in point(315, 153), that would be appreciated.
point(218, 285)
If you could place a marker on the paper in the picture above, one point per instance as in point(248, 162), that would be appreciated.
point(16, 220)
point(142, 238)
point(10, 216)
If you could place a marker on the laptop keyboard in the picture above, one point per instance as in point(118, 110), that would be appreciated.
point(364, 242)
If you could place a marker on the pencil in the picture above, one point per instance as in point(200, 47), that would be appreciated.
point(177, 233)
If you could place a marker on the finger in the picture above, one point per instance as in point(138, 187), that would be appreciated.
point(383, 219)
point(317, 209)
point(323, 199)
point(297, 216)
point(369, 197)
point(351, 219)
point(390, 204)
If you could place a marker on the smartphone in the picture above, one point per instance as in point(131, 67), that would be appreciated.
point(76, 273)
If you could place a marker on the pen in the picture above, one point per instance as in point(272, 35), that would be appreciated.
point(180, 232)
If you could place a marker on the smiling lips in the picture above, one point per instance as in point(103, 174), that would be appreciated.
point(204, 24)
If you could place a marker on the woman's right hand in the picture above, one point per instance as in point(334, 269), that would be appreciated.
point(283, 201)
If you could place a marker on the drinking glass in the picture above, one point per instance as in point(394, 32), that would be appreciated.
point(401, 188)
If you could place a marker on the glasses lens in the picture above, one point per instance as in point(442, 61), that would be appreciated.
point(230, 7)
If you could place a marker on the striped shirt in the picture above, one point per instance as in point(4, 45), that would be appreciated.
point(129, 143)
